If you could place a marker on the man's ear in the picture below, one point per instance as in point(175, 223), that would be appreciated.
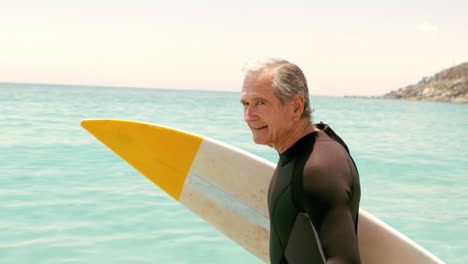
point(298, 106)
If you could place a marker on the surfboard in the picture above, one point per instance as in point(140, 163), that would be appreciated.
point(227, 187)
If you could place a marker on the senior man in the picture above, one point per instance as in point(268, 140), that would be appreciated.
point(314, 194)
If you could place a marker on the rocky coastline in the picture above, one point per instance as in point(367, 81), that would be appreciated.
point(450, 85)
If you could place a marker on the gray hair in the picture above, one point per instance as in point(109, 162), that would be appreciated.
point(288, 79)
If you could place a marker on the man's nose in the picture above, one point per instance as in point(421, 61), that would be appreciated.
point(249, 114)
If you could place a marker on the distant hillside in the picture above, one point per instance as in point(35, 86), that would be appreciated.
point(450, 85)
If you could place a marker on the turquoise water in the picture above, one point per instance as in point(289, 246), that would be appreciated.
point(66, 198)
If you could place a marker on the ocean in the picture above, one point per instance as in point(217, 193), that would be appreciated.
point(66, 198)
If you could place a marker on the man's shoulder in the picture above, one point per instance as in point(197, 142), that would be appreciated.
point(327, 149)
point(328, 133)
point(328, 160)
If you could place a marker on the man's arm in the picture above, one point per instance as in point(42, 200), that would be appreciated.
point(326, 201)
point(336, 233)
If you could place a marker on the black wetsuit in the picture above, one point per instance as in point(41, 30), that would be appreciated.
point(313, 201)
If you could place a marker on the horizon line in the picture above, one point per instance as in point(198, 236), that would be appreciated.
point(178, 89)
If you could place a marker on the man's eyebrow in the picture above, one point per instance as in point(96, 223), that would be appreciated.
point(255, 99)
point(260, 99)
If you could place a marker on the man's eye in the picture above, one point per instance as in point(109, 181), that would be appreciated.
point(245, 103)
point(260, 103)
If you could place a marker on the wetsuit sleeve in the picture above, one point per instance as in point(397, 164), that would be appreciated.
point(326, 201)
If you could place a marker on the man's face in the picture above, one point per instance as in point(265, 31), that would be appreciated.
point(269, 120)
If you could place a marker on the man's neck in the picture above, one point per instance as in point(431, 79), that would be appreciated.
point(304, 127)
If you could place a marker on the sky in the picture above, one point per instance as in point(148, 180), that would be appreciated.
point(344, 47)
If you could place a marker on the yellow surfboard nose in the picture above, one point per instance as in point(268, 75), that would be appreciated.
point(163, 155)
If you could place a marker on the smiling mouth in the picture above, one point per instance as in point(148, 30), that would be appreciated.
point(258, 128)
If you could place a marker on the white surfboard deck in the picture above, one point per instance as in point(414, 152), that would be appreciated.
point(228, 187)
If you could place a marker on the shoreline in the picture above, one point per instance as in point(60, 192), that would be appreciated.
point(428, 99)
